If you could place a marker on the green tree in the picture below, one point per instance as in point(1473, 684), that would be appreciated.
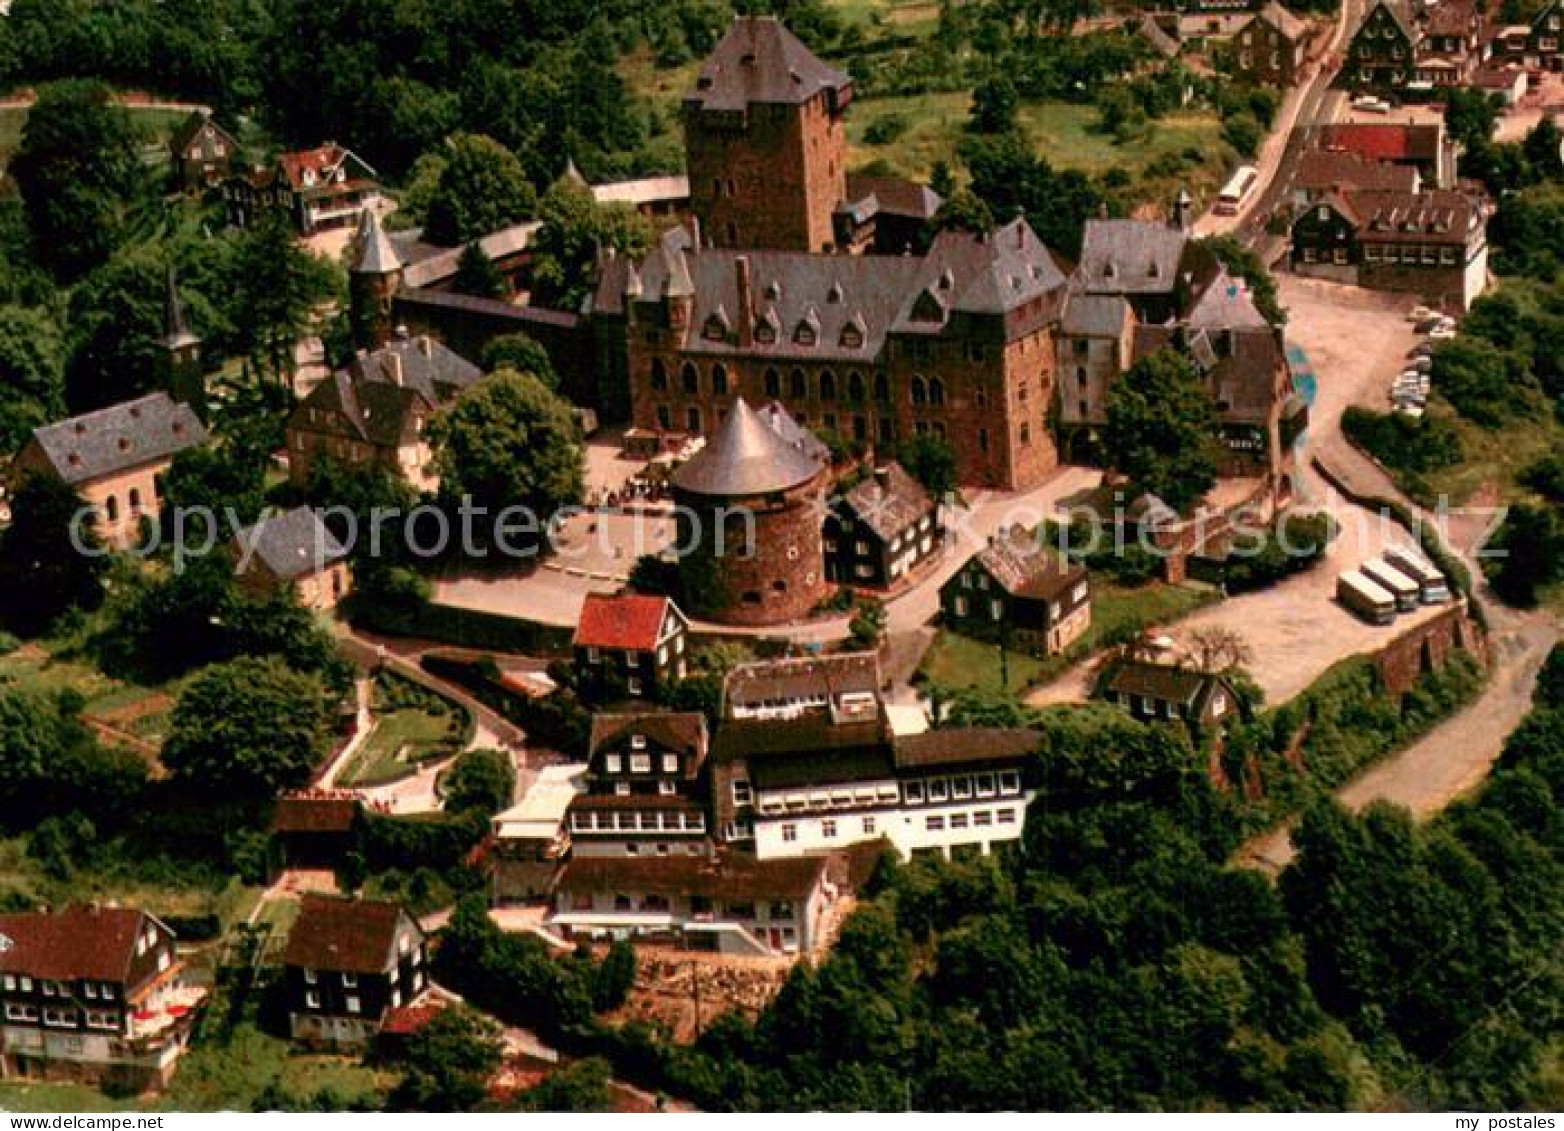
point(582, 1086)
point(274, 291)
point(1541, 149)
point(961, 211)
point(929, 460)
point(614, 977)
point(50, 555)
point(484, 780)
point(80, 173)
point(481, 189)
point(509, 442)
point(32, 373)
point(448, 1062)
point(1162, 429)
point(1530, 547)
point(248, 728)
point(575, 230)
point(477, 275)
point(114, 322)
point(228, 482)
point(867, 626)
point(522, 353)
point(1470, 116)
point(1246, 265)
point(994, 105)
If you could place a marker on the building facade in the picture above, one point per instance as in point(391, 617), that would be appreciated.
point(203, 152)
point(629, 645)
point(881, 530)
point(1020, 592)
point(1271, 48)
point(293, 554)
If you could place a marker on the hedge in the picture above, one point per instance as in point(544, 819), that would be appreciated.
point(469, 628)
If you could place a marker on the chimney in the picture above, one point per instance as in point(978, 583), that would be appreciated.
point(746, 300)
point(882, 477)
point(426, 345)
point(695, 233)
point(395, 361)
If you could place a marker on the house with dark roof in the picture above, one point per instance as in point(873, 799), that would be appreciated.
point(845, 684)
point(883, 215)
point(1432, 244)
point(1167, 693)
point(292, 552)
point(1019, 591)
point(645, 791)
point(727, 902)
point(880, 530)
point(323, 188)
point(348, 962)
point(315, 828)
point(93, 993)
point(1425, 146)
point(1270, 49)
point(373, 410)
point(113, 458)
point(203, 152)
point(629, 645)
point(1320, 172)
point(1382, 49)
point(1538, 45)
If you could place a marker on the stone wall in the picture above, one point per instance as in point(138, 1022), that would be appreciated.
point(1423, 649)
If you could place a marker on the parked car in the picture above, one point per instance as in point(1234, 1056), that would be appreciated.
point(1414, 411)
point(1421, 314)
point(1370, 104)
point(1441, 334)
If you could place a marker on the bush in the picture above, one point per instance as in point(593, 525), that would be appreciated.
point(1412, 447)
point(886, 129)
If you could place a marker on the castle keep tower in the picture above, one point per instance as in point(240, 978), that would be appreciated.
point(750, 509)
point(765, 140)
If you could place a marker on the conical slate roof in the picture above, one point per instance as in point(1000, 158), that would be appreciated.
point(745, 457)
point(376, 256)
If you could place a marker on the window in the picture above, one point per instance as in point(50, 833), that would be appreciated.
point(961, 788)
point(828, 828)
point(719, 379)
point(612, 763)
point(936, 391)
point(938, 789)
point(1007, 816)
point(353, 1004)
point(312, 1000)
point(97, 1019)
point(827, 385)
point(690, 378)
point(742, 795)
point(868, 826)
point(781, 909)
point(670, 763)
point(920, 390)
point(91, 989)
point(958, 821)
point(789, 833)
point(659, 375)
point(9, 982)
point(797, 384)
point(350, 981)
point(1009, 781)
point(692, 419)
point(982, 818)
point(773, 382)
point(15, 1012)
point(934, 824)
point(914, 791)
point(882, 389)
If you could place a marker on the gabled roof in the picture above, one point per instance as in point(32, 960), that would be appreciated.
point(801, 677)
point(1024, 567)
point(323, 162)
point(745, 457)
point(888, 501)
point(1385, 141)
point(1162, 682)
point(723, 875)
point(114, 439)
point(80, 942)
point(894, 196)
point(1430, 216)
point(760, 61)
point(672, 730)
point(1095, 316)
point(1225, 305)
point(960, 745)
point(187, 130)
point(422, 363)
point(1290, 26)
point(292, 544)
point(1130, 257)
point(1397, 10)
point(377, 412)
point(355, 936)
point(622, 621)
point(1321, 170)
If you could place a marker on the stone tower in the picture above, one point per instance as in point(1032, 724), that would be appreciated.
point(373, 281)
point(183, 374)
point(766, 141)
point(750, 511)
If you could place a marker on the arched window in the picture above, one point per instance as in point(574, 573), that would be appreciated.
point(882, 389)
point(773, 383)
point(936, 391)
point(855, 386)
point(111, 508)
point(659, 374)
point(920, 390)
point(797, 385)
point(692, 379)
point(827, 385)
point(135, 500)
point(692, 419)
point(719, 379)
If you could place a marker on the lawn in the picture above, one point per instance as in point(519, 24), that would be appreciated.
point(1496, 456)
point(412, 725)
point(959, 662)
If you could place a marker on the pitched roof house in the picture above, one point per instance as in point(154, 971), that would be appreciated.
point(347, 963)
point(113, 457)
point(1167, 693)
point(293, 551)
point(202, 150)
point(93, 992)
point(880, 529)
point(327, 187)
point(1019, 590)
point(629, 644)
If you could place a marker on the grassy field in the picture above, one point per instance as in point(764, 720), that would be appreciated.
point(399, 741)
point(1496, 457)
point(156, 124)
point(958, 662)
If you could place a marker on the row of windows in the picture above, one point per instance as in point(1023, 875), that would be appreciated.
point(780, 910)
point(829, 829)
point(62, 1018)
point(111, 507)
point(921, 390)
point(640, 763)
point(668, 822)
point(960, 787)
point(48, 988)
point(1426, 256)
point(980, 819)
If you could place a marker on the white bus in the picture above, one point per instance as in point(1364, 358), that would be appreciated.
point(1407, 592)
point(1435, 590)
point(1365, 598)
point(1238, 187)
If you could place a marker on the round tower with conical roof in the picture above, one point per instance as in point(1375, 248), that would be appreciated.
point(750, 509)
point(373, 280)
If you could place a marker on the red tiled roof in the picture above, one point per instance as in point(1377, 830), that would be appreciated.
point(408, 1019)
point(315, 815)
point(628, 620)
point(79, 942)
point(352, 935)
point(1384, 141)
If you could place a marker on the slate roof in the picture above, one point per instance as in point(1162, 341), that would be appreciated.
point(888, 501)
point(724, 875)
point(895, 196)
point(1291, 27)
point(1245, 376)
point(801, 677)
point(1130, 257)
point(1024, 567)
point(776, 415)
point(1322, 170)
point(1431, 216)
point(80, 942)
point(314, 814)
point(375, 254)
point(1162, 682)
point(114, 439)
point(745, 457)
point(673, 730)
point(1095, 316)
point(293, 543)
point(436, 265)
point(759, 60)
point(623, 621)
point(962, 745)
point(1225, 304)
point(987, 274)
point(422, 363)
point(811, 735)
point(377, 412)
point(355, 936)
point(1398, 12)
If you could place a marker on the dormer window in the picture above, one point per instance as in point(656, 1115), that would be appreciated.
point(946, 280)
point(1108, 270)
point(851, 337)
point(834, 295)
point(638, 742)
point(807, 332)
point(773, 290)
point(717, 326)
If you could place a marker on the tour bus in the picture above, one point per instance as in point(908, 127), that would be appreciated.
point(1432, 583)
point(1407, 592)
point(1365, 598)
point(1237, 188)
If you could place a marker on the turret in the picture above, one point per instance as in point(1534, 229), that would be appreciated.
point(183, 375)
point(373, 280)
